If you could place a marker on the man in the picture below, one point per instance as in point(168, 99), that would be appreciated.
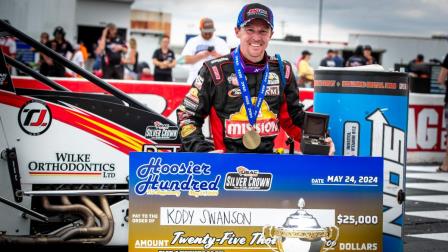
point(164, 61)
point(420, 59)
point(305, 71)
point(43, 66)
point(338, 60)
point(443, 81)
point(328, 61)
point(8, 47)
point(202, 48)
point(357, 59)
point(61, 46)
point(111, 48)
point(245, 108)
point(368, 55)
point(418, 69)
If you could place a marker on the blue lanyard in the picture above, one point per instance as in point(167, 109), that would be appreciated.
point(282, 69)
point(252, 111)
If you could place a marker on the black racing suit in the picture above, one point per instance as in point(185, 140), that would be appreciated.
point(216, 93)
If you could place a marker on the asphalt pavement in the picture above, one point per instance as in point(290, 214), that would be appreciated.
point(426, 210)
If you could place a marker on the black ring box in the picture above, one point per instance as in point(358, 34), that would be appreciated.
point(314, 132)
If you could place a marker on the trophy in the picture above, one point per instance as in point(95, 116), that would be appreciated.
point(301, 232)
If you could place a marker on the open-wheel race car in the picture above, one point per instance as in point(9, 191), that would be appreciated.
point(65, 155)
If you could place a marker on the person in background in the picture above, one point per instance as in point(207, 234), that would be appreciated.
point(8, 47)
point(338, 60)
point(111, 48)
point(203, 47)
point(60, 45)
point(97, 68)
point(442, 79)
point(368, 55)
point(305, 71)
point(357, 59)
point(77, 59)
point(84, 51)
point(420, 59)
point(131, 61)
point(418, 69)
point(164, 61)
point(43, 66)
point(230, 90)
point(328, 61)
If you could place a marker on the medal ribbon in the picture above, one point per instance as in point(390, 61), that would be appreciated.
point(252, 111)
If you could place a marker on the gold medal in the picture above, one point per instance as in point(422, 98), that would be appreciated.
point(251, 139)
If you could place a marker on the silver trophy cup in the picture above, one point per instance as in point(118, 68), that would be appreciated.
point(301, 232)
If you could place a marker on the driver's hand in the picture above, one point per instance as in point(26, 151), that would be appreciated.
point(329, 141)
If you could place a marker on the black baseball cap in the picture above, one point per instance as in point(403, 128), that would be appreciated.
point(58, 30)
point(253, 11)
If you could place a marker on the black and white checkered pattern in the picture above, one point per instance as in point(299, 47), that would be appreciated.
point(426, 209)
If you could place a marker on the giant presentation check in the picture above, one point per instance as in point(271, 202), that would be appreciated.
point(254, 202)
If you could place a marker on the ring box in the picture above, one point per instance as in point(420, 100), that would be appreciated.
point(314, 132)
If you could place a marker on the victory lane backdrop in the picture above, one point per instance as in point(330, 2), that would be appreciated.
point(221, 202)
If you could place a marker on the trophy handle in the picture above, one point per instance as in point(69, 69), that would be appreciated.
point(330, 239)
point(268, 233)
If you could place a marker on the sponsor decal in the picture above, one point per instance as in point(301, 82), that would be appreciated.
point(247, 180)
point(72, 164)
point(190, 104)
point(193, 94)
point(389, 142)
point(216, 72)
point(186, 121)
point(184, 113)
point(219, 60)
point(325, 83)
point(238, 124)
point(187, 130)
point(233, 80)
point(426, 128)
point(3, 78)
point(160, 148)
point(257, 11)
point(161, 131)
point(270, 91)
point(351, 138)
point(235, 92)
point(273, 79)
point(35, 117)
point(160, 178)
point(273, 91)
point(198, 82)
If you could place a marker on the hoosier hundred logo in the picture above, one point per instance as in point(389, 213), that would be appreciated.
point(247, 180)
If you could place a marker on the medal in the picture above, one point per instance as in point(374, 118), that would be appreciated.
point(251, 139)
